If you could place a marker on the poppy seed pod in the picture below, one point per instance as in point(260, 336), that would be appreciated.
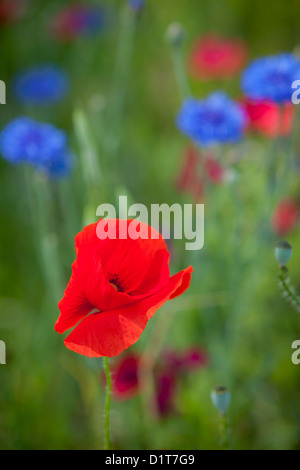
point(283, 252)
point(175, 34)
point(221, 398)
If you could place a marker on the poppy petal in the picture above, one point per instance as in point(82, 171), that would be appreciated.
point(74, 305)
point(136, 265)
point(109, 333)
point(186, 280)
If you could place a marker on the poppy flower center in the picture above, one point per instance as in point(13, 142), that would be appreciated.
point(116, 283)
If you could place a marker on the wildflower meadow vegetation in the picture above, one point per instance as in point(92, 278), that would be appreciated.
point(115, 333)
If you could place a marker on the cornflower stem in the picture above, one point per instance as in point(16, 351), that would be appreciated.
point(120, 80)
point(107, 444)
point(292, 165)
point(180, 71)
point(271, 161)
point(224, 431)
point(68, 209)
point(88, 152)
point(46, 237)
point(287, 289)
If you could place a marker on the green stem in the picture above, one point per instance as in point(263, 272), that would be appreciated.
point(180, 72)
point(107, 404)
point(46, 234)
point(115, 112)
point(288, 291)
point(224, 431)
point(293, 139)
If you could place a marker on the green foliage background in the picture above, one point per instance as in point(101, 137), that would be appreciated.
point(51, 398)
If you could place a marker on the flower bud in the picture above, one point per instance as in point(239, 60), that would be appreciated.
point(221, 398)
point(175, 34)
point(283, 252)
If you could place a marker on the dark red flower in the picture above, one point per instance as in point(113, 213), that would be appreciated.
point(116, 286)
point(125, 377)
point(214, 171)
point(11, 10)
point(286, 216)
point(188, 179)
point(165, 392)
point(170, 368)
point(213, 57)
point(185, 361)
point(171, 361)
point(267, 117)
point(194, 173)
point(76, 20)
point(194, 358)
point(173, 366)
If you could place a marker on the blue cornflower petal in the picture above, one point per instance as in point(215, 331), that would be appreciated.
point(216, 120)
point(41, 85)
point(136, 4)
point(38, 144)
point(271, 78)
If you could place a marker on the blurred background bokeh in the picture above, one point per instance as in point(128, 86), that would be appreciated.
point(118, 113)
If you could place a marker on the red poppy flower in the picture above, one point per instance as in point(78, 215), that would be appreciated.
point(213, 57)
point(267, 118)
point(286, 216)
point(116, 286)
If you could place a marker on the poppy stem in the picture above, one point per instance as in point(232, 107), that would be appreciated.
point(180, 70)
point(288, 291)
point(224, 431)
point(107, 404)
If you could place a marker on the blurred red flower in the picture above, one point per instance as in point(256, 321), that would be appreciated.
point(185, 361)
point(188, 179)
point(286, 216)
point(116, 286)
point(171, 366)
point(267, 117)
point(213, 57)
point(75, 20)
point(193, 175)
point(165, 392)
point(193, 358)
point(214, 171)
point(125, 377)
point(11, 10)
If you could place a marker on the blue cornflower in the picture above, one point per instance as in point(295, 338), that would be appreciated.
point(136, 4)
point(41, 145)
point(41, 85)
point(215, 120)
point(91, 19)
point(271, 78)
